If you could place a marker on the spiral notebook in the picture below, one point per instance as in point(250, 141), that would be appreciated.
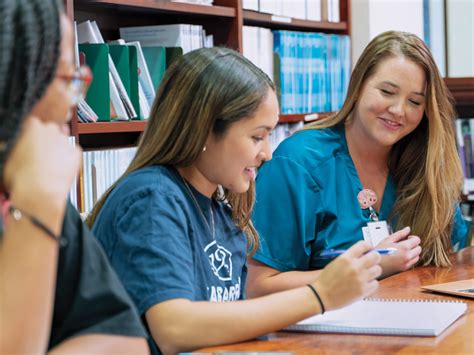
point(387, 317)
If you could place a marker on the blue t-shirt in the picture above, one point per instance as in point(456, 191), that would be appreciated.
point(158, 242)
point(307, 202)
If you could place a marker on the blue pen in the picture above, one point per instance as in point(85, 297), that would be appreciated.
point(333, 253)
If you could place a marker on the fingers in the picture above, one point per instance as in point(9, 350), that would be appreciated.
point(65, 129)
point(374, 272)
point(400, 235)
point(410, 243)
point(371, 287)
point(358, 249)
point(413, 256)
point(77, 158)
point(370, 259)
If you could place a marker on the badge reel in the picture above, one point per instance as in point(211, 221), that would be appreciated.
point(376, 230)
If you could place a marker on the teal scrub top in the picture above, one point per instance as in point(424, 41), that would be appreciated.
point(307, 202)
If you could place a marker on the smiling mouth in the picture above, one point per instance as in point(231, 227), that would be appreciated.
point(391, 123)
point(250, 172)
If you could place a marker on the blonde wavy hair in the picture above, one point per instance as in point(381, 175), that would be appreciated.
point(204, 91)
point(424, 164)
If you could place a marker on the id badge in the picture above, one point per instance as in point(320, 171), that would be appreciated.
point(378, 231)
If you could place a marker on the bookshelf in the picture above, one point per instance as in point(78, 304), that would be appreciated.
point(111, 127)
point(276, 22)
point(254, 18)
point(462, 90)
point(224, 20)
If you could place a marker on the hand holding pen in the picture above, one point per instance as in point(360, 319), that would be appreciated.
point(334, 253)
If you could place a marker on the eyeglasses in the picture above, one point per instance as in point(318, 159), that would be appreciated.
point(78, 83)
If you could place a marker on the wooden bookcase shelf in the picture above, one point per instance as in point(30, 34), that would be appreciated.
point(161, 6)
point(100, 135)
point(111, 127)
point(462, 90)
point(254, 18)
point(100, 128)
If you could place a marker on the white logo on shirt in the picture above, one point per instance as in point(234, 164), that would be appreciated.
point(220, 260)
point(224, 294)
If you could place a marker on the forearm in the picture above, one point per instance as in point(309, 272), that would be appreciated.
point(101, 344)
point(186, 325)
point(265, 283)
point(28, 261)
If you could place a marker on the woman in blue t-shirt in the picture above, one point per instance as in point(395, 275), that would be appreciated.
point(176, 226)
point(392, 142)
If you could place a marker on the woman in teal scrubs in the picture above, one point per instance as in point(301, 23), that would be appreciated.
point(393, 136)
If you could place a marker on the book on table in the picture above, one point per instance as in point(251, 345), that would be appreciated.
point(386, 317)
point(464, 288)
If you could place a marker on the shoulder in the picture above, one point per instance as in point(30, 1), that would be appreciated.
point(145, 193)
point(156, 180)
point(155, 176)
point(307, 154)
point(313, 146)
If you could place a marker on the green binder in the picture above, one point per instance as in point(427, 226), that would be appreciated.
point(98, 95)
point(134, 81)
point(125, 60)
point(155, 58)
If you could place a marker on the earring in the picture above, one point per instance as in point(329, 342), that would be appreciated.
point(204, 149)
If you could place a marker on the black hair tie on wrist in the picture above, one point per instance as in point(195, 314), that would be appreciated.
point(18, 214)
point(318, 297)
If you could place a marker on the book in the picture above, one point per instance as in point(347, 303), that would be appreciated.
point(98, 93)
point(174, 35)
point(155, 58)
point(88, 32)
point(386, 317)
point(463, 288)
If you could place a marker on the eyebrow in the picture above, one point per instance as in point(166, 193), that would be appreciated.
point(395, 85)
point(268, 128)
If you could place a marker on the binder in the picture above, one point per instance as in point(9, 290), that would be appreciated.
point(134, 83)
point(125, 60)
point(155, 58)
point(98, 95)
point(386, 317)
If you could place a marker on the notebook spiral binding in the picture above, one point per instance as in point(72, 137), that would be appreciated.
point(375, 299)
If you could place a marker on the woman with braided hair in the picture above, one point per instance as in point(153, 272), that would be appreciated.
point(57, 290)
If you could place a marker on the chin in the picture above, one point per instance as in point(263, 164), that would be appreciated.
point(387, 140)
point(241, 188)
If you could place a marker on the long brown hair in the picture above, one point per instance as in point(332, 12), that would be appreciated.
point(204, 91)
point(424, 164)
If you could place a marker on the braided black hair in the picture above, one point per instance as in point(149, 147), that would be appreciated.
point(29, 53)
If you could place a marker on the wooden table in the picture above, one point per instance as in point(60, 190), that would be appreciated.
point(457, 339)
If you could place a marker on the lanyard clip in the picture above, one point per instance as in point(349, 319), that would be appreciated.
point(374, 217)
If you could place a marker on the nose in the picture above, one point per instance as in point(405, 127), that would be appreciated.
point(397, 108)
point(266, 152)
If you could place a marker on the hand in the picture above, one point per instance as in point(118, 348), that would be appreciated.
point(351, 276)
point(41, 166)
point(407, 255)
